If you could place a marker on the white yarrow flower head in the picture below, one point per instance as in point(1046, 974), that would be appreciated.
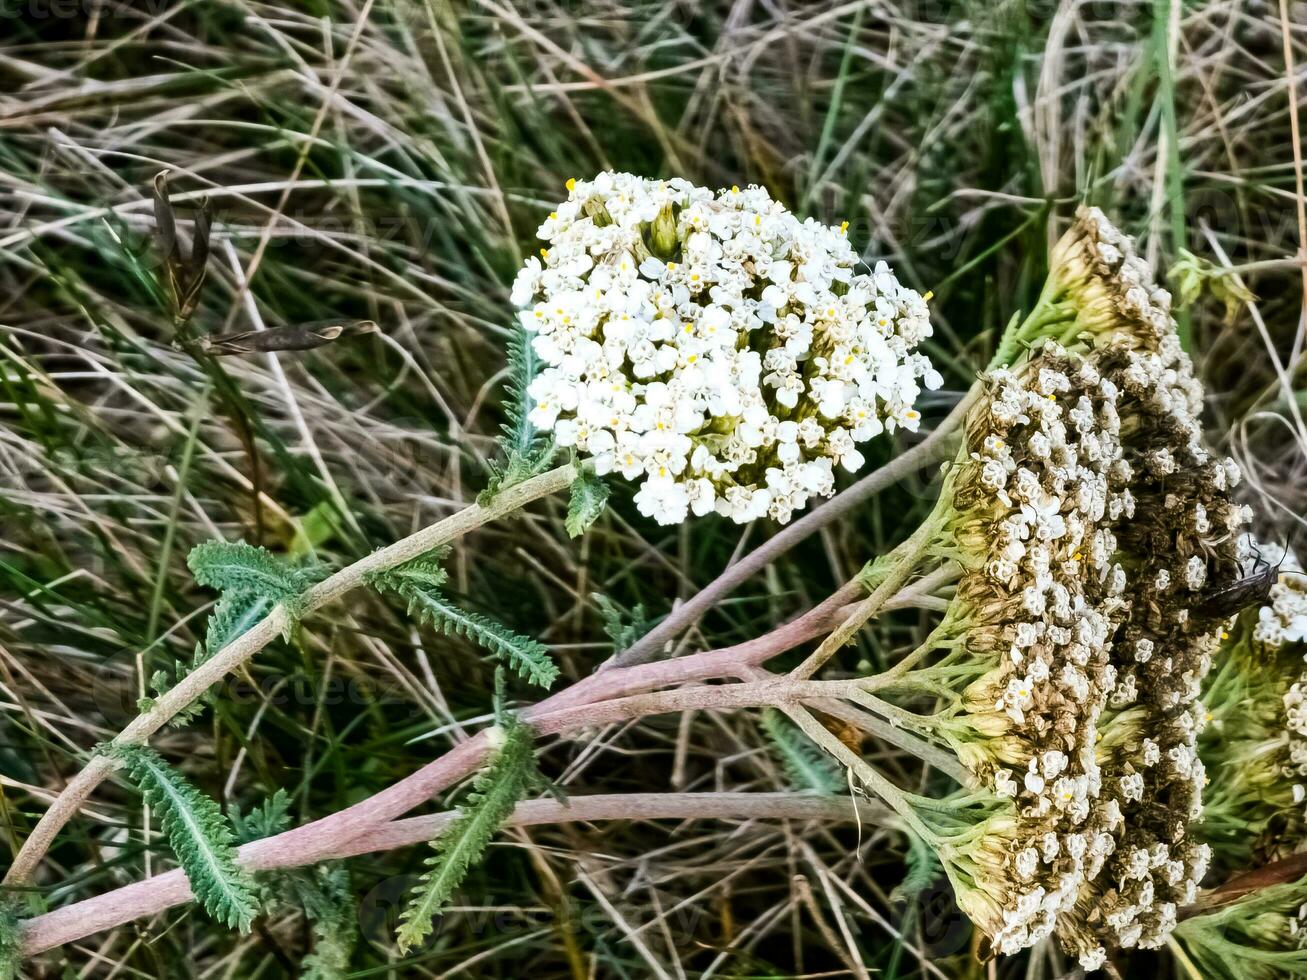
point(713, 347)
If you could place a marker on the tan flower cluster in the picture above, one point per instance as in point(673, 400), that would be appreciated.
point(1091, 524)
point(1183, 536)
point(1031, 624)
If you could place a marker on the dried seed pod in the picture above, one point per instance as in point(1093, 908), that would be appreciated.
point(185, 275)
point(299, 336)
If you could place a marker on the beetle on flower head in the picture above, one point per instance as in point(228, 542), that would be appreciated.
point(714, 347)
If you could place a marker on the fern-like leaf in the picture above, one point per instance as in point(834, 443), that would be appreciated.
point(923, 867)
point(234, 615)
point(418, 581)
point(521, 438)
point(329, 906)
point(623, 628)
point(323, 893)
point(422, 572)
point(199, 835)
point(266, 820)
point(496, 791)
point(530, 658)
point(808, 766)
point(526, 453)
point(235, 566)
point(589, 497)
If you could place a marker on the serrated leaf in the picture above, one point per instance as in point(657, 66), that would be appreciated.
point(329, 906)
point(807, 765)
point(235, 566)
point(521, 438)
point(496, 791)
point(530, 658)
point(321, 892)
point(199, 835)
point(589, 497)
point(424, 571)
point(267, 819)
point(623, 628)
point(525, 452)
point(232, 616)
point(418, 583)
point(922, 867)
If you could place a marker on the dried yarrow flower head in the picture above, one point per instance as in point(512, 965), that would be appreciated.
point(1178, 539)
point(714, 347)
point(1256, 737)
point(1028, 635)
point(1260, 936)
point(1095, 270)
point(1092, 524)
point(1097, 289)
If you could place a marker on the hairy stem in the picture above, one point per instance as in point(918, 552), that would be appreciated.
point(240, 650)
point(332, 838)
point(372, 824)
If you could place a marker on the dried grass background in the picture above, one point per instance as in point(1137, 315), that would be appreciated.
point(391, 160)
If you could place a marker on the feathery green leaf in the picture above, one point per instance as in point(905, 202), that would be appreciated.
point(922, 866)
point(526, 453)
point(418, 585)
point(233, 615)
point(521, 438)
point(322, 892)
point(423, 572)
point(235, 566)
point(589, 497)
point(329, 906)
point(808, 766)
point(623, 628)
point(530, 658)
point(496, 791)
point(271, 817)
point(199, 835)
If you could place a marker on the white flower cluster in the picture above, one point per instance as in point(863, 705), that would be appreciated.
point(1285, 619)
point(1284, 622)
point(714, 347)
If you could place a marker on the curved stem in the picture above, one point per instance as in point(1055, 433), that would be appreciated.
point(186, 691)
point(597, 700)
point(905, 563)
point(312, 841)
point(688, 613)
point(163, 891)
point(352, 831)
point(867, 774)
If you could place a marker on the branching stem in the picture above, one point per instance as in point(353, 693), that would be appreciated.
point(240, 650)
